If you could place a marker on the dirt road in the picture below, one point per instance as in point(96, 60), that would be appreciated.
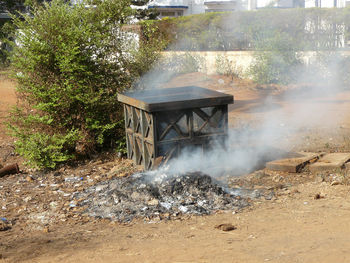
point(7, 99)
point(294, 228)
point(307, 221)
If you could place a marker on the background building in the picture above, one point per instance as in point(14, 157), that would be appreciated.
point(175, 8)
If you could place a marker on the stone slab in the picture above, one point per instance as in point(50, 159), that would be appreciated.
point(330, 162)
point(295, 164)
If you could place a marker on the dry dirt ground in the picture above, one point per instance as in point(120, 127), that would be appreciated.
point(306, 221)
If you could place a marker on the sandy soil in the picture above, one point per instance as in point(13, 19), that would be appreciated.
point(7, 99)
point(307, 221)
point(295, 228)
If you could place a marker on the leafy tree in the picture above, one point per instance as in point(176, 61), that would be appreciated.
point(6, 25)
point(70, 64)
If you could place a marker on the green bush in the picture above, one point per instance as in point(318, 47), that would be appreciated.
point(275, 60)
point(70, 64)
point(224, 66)
point(183, 63)
point(6, 35)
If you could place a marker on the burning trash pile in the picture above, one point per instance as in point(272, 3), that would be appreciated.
point(158, 197)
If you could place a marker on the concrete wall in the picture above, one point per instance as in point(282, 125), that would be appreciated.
point(240, 60)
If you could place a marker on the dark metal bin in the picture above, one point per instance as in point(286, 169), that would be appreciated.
point(161, 121)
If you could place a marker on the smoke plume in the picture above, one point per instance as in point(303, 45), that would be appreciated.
point(280, 118)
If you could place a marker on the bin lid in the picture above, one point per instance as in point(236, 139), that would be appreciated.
point(174, 98)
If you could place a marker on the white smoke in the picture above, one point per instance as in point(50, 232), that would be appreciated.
point(282, 116)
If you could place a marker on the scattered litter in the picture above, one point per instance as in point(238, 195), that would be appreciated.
point(73, 179)
point(4, 224)
point(125, 198)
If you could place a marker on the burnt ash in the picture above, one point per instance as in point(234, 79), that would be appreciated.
point(160, 197)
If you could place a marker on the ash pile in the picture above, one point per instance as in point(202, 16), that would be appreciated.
point(157, 197)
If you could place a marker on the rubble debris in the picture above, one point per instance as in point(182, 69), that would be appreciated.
point(226, 227)
point(9, 169)
point(139, 196)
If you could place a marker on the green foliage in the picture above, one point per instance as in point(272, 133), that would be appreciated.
point(275, 60)
point(70, 64)
point(182, 63)
point(45, 150)
point(121, 147)
point(309, 28)
point(225, 66)
point(7, 29)
point(6, 35)
point(276, 36)
point(186, 63)
point(148, 51)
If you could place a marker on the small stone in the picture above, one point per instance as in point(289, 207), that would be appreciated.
point(97, 178)
point(335, 183)
point(123, 174)
point(53, 205)
point(153, 202)
point(226, 227)
point(46, 230)
point(112, 223)
point(183, 209)
point(277, 178)
point(27, 199)
point(135, 196)
point(166, 215)
point(156, 219)
point(166, 205)
point(318, 196)
point(295, 191)
point(29, 179)
point(101, 187)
